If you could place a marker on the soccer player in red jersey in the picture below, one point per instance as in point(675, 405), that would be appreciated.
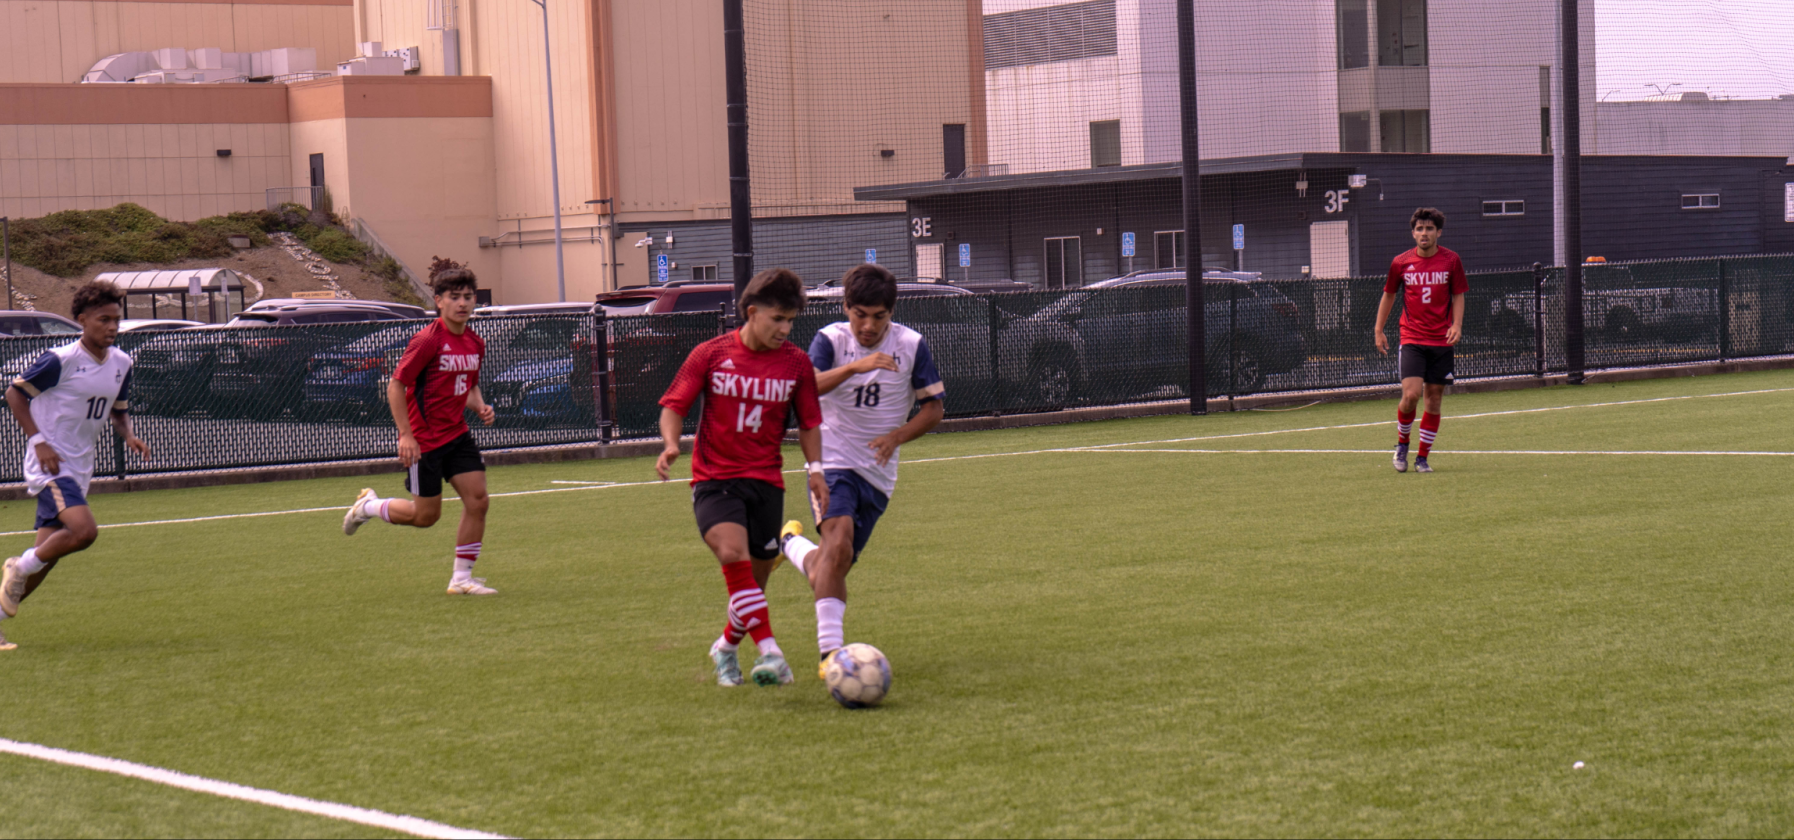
point(1432, 323)
point(436, 381)
point(749, 380)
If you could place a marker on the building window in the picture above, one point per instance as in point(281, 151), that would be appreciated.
point(1545, 110)
point(1406, 131)
point(953, 149)
point(1401, 33)
point(1105, 143)
point(1353, 19)
point(1064, 265)
point(1354, 132)
point(1701, 201)
point(1168, 249)
point(1053, 33)
point(1504, 208)
point(703, 273)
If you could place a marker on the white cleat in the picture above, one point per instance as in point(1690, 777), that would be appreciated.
point(12, 587)
point(358, 512)
point(470, 586)
point(6, 645)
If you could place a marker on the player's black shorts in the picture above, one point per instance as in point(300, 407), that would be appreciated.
point(458, 456)
point(1430, 363)
point(751, 503)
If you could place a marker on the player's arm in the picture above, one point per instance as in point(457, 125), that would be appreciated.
point(401, 418)
point(926, 381)
point(121, 418)
point(672, 425)
point(43, 373)
point(829, 376)
point(676, 403)
point(809, 438)
point(1391, 286)
point(1457, 320)
point(477, 402)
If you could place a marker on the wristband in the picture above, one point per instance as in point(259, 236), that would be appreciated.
point(813, 467)
point(36, 439)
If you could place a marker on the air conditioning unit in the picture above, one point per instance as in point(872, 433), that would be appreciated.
point(408, 55)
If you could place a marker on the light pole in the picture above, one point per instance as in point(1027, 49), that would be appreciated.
point(554, 163)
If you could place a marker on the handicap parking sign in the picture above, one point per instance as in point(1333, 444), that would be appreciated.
point(660, 267)
point(965, 255)
point(1127, 244)
point(871, 255)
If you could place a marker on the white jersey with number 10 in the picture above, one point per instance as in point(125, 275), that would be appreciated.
point(72, 399)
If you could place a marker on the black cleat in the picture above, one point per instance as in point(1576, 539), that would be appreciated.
point(1421, 466)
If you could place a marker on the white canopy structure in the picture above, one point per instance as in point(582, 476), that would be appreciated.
point(169, 287)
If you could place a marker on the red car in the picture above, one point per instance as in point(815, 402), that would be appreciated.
point(677, 296)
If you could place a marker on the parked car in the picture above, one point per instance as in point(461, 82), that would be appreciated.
point(1620, 315)
point(154, 324)
point(904, 290)
point(564, 308)
point(673, 297)
point(25, 322)
point(295, 306)
point(248, 367)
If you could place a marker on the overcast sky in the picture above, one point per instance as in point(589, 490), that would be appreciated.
point(1737, 48)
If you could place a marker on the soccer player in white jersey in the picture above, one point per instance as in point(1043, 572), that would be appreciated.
point(870, 372)
point(61, 402)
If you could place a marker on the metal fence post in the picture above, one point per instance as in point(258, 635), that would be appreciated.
point(996, 362)
point(601, 374)
point(118, 455)
point(6, 254)
point(1725, 314)
point(1233, 331)
point(1538, 320)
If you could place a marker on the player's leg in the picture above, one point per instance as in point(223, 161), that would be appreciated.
point(423, 481)
point(764, 508)
point(1412, 368)
point(65, 526)
point(1429, 425)
point(471, 487)
point(724, 511)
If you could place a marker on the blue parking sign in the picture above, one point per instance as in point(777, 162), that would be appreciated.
point(1127, 244)
point(1239, 237)
point(871, 255)
point(660, 267)
point(965, 255)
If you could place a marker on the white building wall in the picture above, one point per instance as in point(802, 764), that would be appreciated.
point(1719, 127)
point(1484, 60)
point(1040, 114)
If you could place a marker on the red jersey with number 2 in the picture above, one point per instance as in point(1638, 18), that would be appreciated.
point(1430, 281)
point(439, 371)
point(746, 397)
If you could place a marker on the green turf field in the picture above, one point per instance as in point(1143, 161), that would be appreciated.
point(1101, 642)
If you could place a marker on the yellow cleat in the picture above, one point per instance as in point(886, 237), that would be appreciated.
point(822, 667)
point(793, 528)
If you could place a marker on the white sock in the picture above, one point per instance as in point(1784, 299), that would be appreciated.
point(721, 643)
point(29, 564)
point(465, 556)
point(770, 647)
point(797, 550)
point(829, 614)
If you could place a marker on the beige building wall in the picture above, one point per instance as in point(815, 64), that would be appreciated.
point(58, 40)
point(672, 145)
point(84, 147)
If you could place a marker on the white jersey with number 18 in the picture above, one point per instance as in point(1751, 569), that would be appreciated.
point(72, 398)
point(871, 405)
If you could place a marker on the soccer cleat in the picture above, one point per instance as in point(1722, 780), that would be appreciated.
point(793, 528)
point(1421, 466)
point(1401, 457)
point(6, 645)
point(12, 587)
point(822, 667)
point(772, 670)
point(358, 513)
point(728, 667)
point(470, 586)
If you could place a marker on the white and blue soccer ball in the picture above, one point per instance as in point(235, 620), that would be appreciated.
point(858, 676)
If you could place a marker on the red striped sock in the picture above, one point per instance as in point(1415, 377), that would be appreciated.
point(748, 613)
point(1429, 430)
point(1404, 424)
point(465, 555)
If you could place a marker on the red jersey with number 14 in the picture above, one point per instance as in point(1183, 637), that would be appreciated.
point(1430, 281)
point(746, 397)
point(439, 371)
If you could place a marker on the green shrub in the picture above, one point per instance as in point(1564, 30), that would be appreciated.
point(392, 278)
point(65, 243)
point(335, 245)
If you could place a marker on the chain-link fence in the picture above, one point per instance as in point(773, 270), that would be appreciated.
point(220, 397)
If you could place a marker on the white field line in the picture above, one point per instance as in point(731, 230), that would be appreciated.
point(590, 483)
point(1450, 451)
point(347, 813)
point(1103, 447)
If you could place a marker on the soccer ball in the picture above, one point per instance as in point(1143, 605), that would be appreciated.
point(858, 676)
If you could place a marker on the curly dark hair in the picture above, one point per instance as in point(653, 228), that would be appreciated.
point(1427, 214)
point(94, 294)
point(454, 279)
point(870, 285)
point(779, 288)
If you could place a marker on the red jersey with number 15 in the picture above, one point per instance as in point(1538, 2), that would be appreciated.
point(439, 371)
point(1430, 281)
point(746, 397)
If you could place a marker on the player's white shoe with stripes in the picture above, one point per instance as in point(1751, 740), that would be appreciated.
point(358, 512)
point(12, 587)
point(470, 586)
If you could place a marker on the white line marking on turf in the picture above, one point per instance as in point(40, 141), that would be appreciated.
point(1448, 451)
point(592, 483)
point(1101, 447)
point(347, 813)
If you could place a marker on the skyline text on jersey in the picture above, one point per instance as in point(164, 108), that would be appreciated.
point(458, 362)
point(725, 384)
point(1426, 278)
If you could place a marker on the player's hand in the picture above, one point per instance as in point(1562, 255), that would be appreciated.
point(487, 415)
point(1382, 342)
point(876, 361)
point(1454, 333)
point(663, 467)
point(138, 445)
point(885, 446)
point(818, 492)
point(408, 451)
point(46, 456)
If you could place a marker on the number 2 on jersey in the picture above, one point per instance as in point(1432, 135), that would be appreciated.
point(745, 419)
point(1426, 294)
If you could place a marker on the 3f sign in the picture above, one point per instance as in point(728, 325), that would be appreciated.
point(1337, 200)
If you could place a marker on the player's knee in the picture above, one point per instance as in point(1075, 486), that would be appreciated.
point(425, 518)
point(476, 505)
point(84, 535)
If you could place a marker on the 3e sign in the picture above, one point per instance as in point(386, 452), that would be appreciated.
point(1337, 200)
point(921, 227)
